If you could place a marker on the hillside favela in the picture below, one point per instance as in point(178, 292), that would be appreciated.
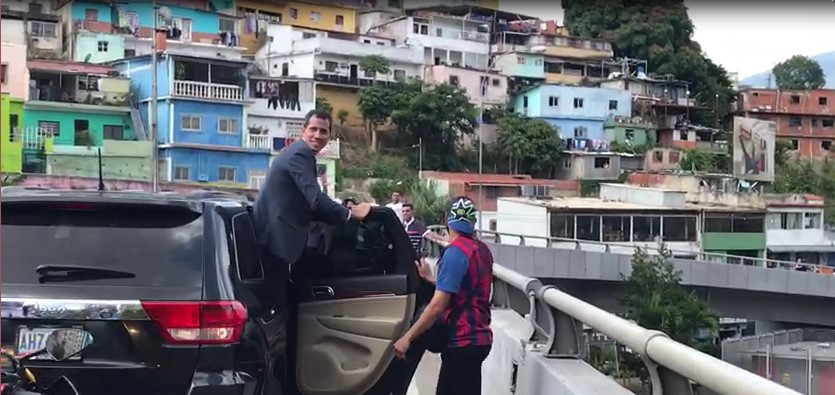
point(659, 212)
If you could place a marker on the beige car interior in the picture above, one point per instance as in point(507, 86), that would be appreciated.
point(345, 345)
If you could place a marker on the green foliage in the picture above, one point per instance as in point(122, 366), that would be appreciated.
point(627, 148)
point(807, 177)
point(530, 145)
point(367, 164)
point(375, 64)
point(589, 188)
point(342, 116)
point(799, 72)
point(655, 299)
point(699, 160)
point(323, 105)
point(659, 32)
point(429, 206)
point(374, 105)
point(381, 190)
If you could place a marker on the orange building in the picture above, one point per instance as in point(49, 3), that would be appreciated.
point(805, 118)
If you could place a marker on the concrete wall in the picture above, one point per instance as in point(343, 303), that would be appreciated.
point(61, 182)
point(210, 115)
point(100, 47)
point(17, 74)
point(121, 160)
point(471, 82)
point(640, 134)
point(206, 164)
point(733, 290)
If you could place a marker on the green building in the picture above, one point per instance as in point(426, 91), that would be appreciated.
point(739, 232)
point(638, 134)
point(12, 155)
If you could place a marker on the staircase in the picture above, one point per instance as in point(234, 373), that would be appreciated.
point(138, 123)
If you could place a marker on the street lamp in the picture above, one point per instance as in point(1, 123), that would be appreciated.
point(536, 49)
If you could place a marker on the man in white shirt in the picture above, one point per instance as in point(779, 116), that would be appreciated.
point(396, 204)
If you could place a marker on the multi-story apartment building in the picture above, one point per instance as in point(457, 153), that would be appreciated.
point(201, 118)
point(76, 110)
point(277, 107)
point(258, 15)
point(805, 118)
point(333, 60)
point(35, 26)
point(795, 230)
point(99, 32)
point(446, 39)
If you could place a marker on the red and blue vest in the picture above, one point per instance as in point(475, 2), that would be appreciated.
point(473, 298)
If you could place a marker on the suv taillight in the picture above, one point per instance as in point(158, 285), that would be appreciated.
point(220, 322)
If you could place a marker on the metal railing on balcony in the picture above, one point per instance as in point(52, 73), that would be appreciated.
point(207, 90)
point(258, 141)
point(672, 366)
point(712, 146)
point(337, 79)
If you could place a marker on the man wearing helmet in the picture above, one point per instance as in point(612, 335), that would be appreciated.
point(460, 307)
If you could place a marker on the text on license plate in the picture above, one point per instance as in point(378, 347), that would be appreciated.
point(34, 339)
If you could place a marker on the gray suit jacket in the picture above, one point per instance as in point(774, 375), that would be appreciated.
point(290, 200)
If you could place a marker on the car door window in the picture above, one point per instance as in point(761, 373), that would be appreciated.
point(250, 265)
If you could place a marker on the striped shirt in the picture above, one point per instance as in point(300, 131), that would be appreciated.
point(416, 229)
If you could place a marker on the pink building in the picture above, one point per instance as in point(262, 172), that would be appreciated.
point(14, 71)
point(472, 81)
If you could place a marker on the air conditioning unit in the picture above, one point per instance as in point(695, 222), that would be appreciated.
point(203, 177)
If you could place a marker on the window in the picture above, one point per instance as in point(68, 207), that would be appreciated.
point(420, 28)
point(227, 25)
point(256, 179)
point(227, 126)
point(629, 134)
point(285, 69)
point(613, 104)
point(826, 144)
point(91, 15)
point(250, 267)
point(788, 221)
point(191, 123)
point(184, 25)
point(331, 66)
point(103, 46)
point(646, 228)
point(399, 75)
point(49, 128)
point(525, 101)
point(580, 132)
point(578, 102)
point(815, 122)
point(14, 130)
point(828, 122)
point(439, 32)
point(748, 223)
point(554, 101)
point(113, 132)
point(520, 60)
point(453, 80)
point(795, 122)
point(822, 101)
point(794, 143)
point(679, 228)
point(588, 227)
point(616, 228)
point(182, 173)
point(658, 156)
point(306, 35)
point(366, 41)
point(674, 157)
point(491, 192)
point(339, 20)
point(811, 220)
point(4, 73)
point(226, 174)
point(369, 73)
point(294, 13)
point(566, 163)
point(129, 53)
point(562, 226)
point(43, 29)
point(497, 82)
point(794, 99)
point(601, 163)
point(314, 16)
point(683, 135)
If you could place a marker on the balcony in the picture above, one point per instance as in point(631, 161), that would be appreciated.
point(324, 45)
point(258, 142)
point(334, 78)
point(207, 91)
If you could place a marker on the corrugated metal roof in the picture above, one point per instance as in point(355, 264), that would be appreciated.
point(498, 179)
point(58, 66)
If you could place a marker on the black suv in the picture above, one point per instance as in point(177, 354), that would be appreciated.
point(180, 301)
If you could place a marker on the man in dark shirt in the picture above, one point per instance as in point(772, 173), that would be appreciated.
point(415, 228)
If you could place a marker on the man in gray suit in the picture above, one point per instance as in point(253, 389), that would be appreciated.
point(291, 199)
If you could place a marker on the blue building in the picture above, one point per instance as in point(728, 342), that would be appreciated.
point(202, 133)
point(577, 112)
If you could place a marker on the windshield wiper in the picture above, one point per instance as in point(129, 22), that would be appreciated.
point(62, 273)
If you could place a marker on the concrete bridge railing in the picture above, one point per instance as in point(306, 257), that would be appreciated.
point(557, 319)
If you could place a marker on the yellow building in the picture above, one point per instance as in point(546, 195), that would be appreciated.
point(257, 15)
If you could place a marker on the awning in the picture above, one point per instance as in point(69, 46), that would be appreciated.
point(802, 248)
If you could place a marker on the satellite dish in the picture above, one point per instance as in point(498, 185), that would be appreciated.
point(164, 13)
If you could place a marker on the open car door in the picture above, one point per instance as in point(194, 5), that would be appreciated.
point(355, 299)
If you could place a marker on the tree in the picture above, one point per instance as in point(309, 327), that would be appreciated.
point(655, 299)
point(375, 106)
point(799, 72)
point(375, 64)
point(659, 32)
point(322, 104)
point(342, 117)
point(530, 145)
point(438, 116)
point(511, 139)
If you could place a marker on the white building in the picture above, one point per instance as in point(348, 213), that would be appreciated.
point(34, 25)
point(795, 230)
point(447, 40)
point(277, 108)
point(325, 56)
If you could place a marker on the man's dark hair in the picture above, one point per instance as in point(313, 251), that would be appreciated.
point(409, 205)
point(323, 115)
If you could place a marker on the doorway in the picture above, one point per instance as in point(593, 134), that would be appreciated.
point(354, 72)
point(81, 129)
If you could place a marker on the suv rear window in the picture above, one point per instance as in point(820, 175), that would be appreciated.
point(162, 246)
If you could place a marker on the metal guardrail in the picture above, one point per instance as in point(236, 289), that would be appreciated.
point(556, 317)
point(559, 242)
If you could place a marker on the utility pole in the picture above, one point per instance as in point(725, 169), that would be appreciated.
point(152, 115)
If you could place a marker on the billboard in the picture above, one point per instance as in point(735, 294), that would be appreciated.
point(753, 144)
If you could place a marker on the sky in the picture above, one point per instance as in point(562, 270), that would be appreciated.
point(746, 38)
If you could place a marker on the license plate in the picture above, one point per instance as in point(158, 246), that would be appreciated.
point(30, 340)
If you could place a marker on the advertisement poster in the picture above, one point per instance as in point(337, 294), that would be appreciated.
point(753, 142)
